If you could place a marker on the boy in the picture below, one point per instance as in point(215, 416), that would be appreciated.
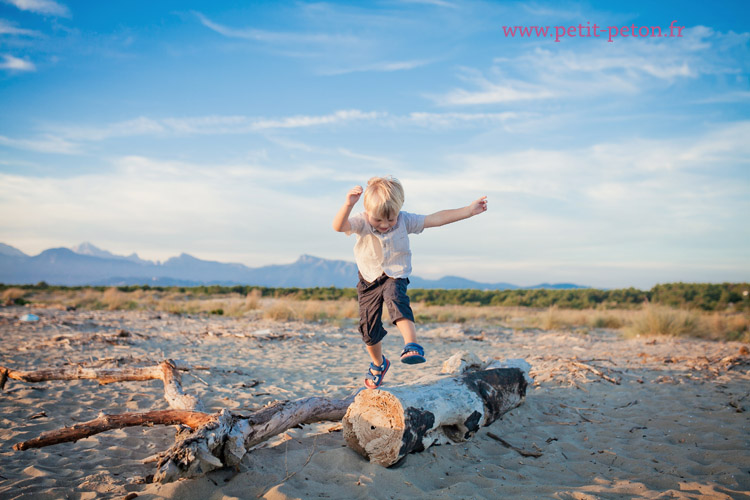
point(384, 262)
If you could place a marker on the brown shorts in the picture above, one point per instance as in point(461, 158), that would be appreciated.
point(392, 292)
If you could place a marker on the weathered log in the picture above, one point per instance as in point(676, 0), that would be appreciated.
point(102, 423)
point(386, 424)
point(226, 438)
point(166, 371)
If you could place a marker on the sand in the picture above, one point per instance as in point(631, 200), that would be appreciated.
point(675, 427)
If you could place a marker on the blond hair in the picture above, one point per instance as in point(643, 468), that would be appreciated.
point(384, 197)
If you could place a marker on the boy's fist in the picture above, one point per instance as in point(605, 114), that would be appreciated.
point(479, 206)
point(353, 195)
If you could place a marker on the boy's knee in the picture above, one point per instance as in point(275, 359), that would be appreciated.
point(371, 338)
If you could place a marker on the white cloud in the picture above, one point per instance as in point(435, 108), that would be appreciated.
point(238, 124)
point(47, 7)
point(272, 36)
point(453, 120)
point(437, 3)
point(377, 67)
point(12, 63)
point(134, 127)
point(7, 28)
point(46, 144)
point(509, 90)
point(359, 156)
point(210, 125)
point(309, 121)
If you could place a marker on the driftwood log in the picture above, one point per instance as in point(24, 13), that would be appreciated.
point(384, 425)
point(166, 371)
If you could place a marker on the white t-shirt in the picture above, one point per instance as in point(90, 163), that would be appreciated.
point(377, 253)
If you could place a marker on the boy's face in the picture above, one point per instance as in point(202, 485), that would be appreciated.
point(381, 223)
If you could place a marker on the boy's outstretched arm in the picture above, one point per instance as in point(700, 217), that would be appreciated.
point(341, 221)
point(447, 216)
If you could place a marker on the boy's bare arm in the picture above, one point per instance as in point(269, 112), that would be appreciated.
point(447, 216)
point(341, 221)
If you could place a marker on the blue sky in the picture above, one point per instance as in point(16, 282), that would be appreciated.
point(232, 131)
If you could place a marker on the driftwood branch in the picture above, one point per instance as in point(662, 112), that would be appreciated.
point(101, 375)
point(595, 371)
point(520, 451)
point(102, 423)
point(227, 437)
point(166, 371)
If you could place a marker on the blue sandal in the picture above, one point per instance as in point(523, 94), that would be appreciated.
point(412, 354)
point(376, 381)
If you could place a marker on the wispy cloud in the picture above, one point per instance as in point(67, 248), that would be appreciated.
point(309, 121)
point(537, 10)
point(379, 67)
point(491, 93)
point(12, 63)
point(208, 125)
point(47, 144)
point(359, 156)
point(45, 7)
point(436, 3)
point(8, 28)
point(454, 119)
point(239, 124)
point(273, 36)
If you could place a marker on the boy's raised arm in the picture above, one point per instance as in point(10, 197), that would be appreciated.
point(447, 216)
point(341, 221)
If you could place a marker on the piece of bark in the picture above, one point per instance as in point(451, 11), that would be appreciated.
point(386, 424)
point(104, 423)
point(226, 439)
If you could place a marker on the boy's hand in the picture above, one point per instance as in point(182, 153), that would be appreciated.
point(353, 195)
point(478, 206)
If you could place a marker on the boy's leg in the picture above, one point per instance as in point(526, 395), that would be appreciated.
point(408, 330)
point(376, 354)
point(370, 297)
point(399, 308)
point(397, 300)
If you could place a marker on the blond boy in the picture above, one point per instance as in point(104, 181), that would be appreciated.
point(384, 263)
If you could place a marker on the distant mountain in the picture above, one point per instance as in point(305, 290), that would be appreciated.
point(451, 282)
point(89, 265)
point(10, 251)
point(89, 249)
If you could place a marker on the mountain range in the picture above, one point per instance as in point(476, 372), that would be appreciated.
point(86, 264)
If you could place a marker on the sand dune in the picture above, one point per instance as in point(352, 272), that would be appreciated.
point(676, 426)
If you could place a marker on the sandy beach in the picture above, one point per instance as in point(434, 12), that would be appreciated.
point(610, 417)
